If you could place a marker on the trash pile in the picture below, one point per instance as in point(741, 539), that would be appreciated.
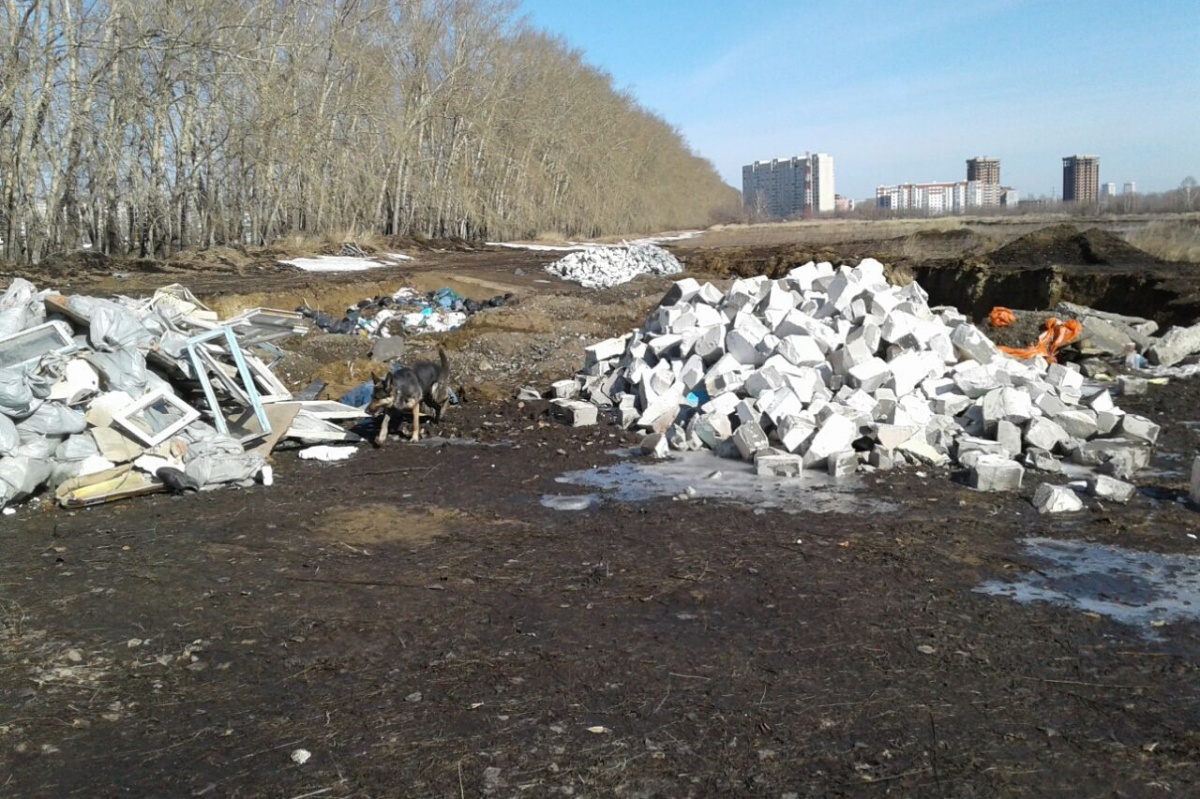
point(406, 311)
point(108, 398)
point(837, 369)
point(604, 267)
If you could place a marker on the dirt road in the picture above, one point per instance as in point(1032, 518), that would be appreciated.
point(422, 621)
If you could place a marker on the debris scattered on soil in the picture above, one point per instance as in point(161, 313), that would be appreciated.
point(604, 267)
point(405, 311)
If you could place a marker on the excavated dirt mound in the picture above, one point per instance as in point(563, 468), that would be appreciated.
point(1067, 245)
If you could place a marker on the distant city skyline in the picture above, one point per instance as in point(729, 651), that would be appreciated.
point(904, 91)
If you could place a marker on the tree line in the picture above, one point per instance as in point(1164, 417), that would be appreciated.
point(143, 127)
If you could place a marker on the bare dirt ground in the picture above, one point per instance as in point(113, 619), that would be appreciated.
point(422, 624)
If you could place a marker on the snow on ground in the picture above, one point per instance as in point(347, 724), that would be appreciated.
point(344, 263)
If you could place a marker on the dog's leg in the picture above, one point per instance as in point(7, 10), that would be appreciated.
point(416, 414)
point(384, 420)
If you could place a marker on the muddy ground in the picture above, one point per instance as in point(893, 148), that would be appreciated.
point(421, 623)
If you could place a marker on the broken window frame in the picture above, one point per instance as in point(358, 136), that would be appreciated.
point(64, 345)
point(247, 387)
point(123, 416)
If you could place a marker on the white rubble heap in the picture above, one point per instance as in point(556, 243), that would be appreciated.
point(604, 267)
point(836, 369)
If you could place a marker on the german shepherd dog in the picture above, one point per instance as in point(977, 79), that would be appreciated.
point(407, 387)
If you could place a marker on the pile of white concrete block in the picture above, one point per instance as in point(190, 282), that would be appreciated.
point(604, 267)
point(834, 368)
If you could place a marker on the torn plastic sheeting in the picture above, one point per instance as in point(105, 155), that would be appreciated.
point(111, 326)
point(10, 439)
point(19, 307)
point(124, 370)
point(21, 475)
point(16, 398)
point(212, 462)
point(77, 447)
point(53, 419)
point(36, 445)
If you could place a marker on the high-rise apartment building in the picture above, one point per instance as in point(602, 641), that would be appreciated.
point(1081, 178)
point(785, 187)
point(983, 170)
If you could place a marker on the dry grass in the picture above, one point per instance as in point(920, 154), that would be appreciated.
point(332, 299)
point(1172, 240)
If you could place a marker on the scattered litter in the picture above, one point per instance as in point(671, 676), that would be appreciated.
point(405, 311)
point(300, 756)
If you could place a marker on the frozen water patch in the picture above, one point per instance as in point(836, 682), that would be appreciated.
point(1143, 589)
point(698, 475)
point(573, 502)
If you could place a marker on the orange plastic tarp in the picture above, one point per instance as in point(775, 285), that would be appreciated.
point(1055, 336)
point(1001, 317)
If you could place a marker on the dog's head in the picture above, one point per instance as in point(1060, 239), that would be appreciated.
point(381, 394)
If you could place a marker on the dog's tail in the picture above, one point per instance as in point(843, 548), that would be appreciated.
point(445, 362)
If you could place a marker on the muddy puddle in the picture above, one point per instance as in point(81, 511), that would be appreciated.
point(701, 475)
point(1146, 590)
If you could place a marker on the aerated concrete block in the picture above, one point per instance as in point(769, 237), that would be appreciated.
point(576, 413)
point(842, 464)
point(1079, 424)
point(1139, 427)
point(655, 445)
point(836, 434)
point(794, 432)
point(750, 438)
point(1042, 461)
point(1110, 488)
point(996, 473)
point(1174, 345)
point(565, 389)
point(1044, 434)
point(970, 343)
point(778, 465)
point(1056, 499)
point(1008, 435)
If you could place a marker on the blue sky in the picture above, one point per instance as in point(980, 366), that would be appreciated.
point(907, 91)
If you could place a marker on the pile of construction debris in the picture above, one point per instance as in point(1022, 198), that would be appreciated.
point(837, 369)
point(604, 267)
point(108, 398)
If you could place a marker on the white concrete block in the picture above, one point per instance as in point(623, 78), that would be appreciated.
point(842, 464)
point(995, 473)
point(1056, 499)
point(778, 465)
point(1079, 424)
point(836, 434)
point(1139, 427)
point(576, 413)
point(795, 432)
point(1111, 488)
point(973, 345)
point(1044, 434)
point(1008, 435)
point(1061, 377)
point(750, 438)
point(713, 428)
point(604, 350)
point(870, 375)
